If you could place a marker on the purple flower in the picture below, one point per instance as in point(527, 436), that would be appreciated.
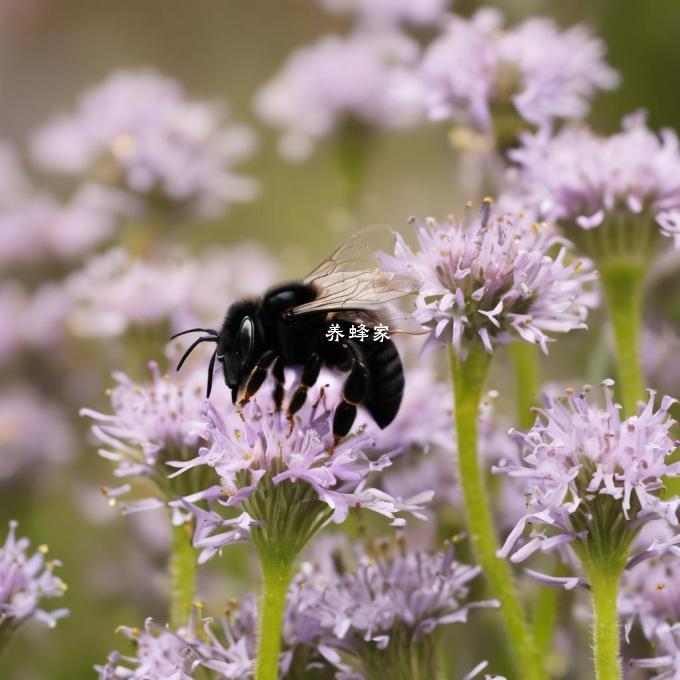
point(334, 81)
point(38, 226)
point(25, 580)
point(668, 662)
point(486, 280)
point(185, 654)
point(378, 14)
point(138, 129)
point(32, 429)
point(116, 291)
point(580, 461)
point(585, 181)
point(30, 321)
point(271, 468)
point(660, 347)
point(477, 70)
point(394, 601)
point(150, 425)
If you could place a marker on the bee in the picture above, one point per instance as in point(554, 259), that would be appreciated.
point(288, 327)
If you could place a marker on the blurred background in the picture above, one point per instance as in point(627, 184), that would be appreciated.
point(223, 50)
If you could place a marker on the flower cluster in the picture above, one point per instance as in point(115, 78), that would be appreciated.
point(25, 580)
point(150, 425)
point(379, 14)
point(115, 291)
point(394, 601)
point(668, 663)
point(334, 82)
point(291, 470)
point(32, 429)
point(40, 227)
point(138, 130)
point(477, 71)
point(191, 651)
point(30, 320)
point(488, 279)
point(592, 478)
point(584, 180)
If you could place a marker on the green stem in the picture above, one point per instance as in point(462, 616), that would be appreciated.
point(525, 359)
point(276, 576)
point(545, 613)
point(182, 568)
point(623, 280)
point(604, 583)
point(468, 381)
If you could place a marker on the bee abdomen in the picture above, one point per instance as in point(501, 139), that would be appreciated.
point(386, 385)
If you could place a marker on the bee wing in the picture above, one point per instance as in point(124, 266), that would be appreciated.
point(350, 282)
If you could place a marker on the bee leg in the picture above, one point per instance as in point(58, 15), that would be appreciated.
point(310, 374)
point(353, 393)
point(280, 379)
point(258, 375)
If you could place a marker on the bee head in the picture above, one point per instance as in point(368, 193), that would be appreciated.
point(238, 343)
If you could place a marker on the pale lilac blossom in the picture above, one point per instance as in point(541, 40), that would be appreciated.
point(335, 81)
point(584, 180)
point(40, 227)
point(380, 14)
point(31, 321)
point(138, 130)
point(478, 69)
point(116, 291)
point(151, 424)
point(185, 654)
point(258, 453)
point(487, 280)
point(577, 454)
point(25, 580)
point(33, 431)
point(394, 601)
point(667, 663)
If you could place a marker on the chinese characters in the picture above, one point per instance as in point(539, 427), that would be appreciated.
point(379, 333)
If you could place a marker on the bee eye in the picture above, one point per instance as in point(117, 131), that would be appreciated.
point(246, 339)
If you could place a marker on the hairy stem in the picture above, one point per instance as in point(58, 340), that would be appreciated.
point(604, 583)
point(623, 280)
point(525, 360)
point(276, 576)
point(182, 568)
point(468, 381)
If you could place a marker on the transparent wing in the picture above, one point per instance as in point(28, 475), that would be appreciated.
point(351, 283)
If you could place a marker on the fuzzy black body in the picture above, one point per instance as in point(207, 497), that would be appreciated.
point(281, 339)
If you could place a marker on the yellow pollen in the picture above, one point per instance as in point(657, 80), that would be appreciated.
point(43, 549)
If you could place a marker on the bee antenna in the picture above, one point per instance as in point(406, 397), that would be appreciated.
point(192, 347)
point(196, 330)
point(211, 369)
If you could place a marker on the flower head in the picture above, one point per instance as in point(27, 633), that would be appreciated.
point(585, 468)
point(187, 653)
point(585, 181)
point(477, 72)
point(394, 601)
point(378, 14)
point(116, 291)
point(32, 429)
point(668, 662)
point(289, 470)
point(25, 580)
point(151, 424)
point(336, 81)
point(138, 130)
point(30, 320)
point(488, 279)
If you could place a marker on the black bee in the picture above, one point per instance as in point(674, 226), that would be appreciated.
point(287, 328)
